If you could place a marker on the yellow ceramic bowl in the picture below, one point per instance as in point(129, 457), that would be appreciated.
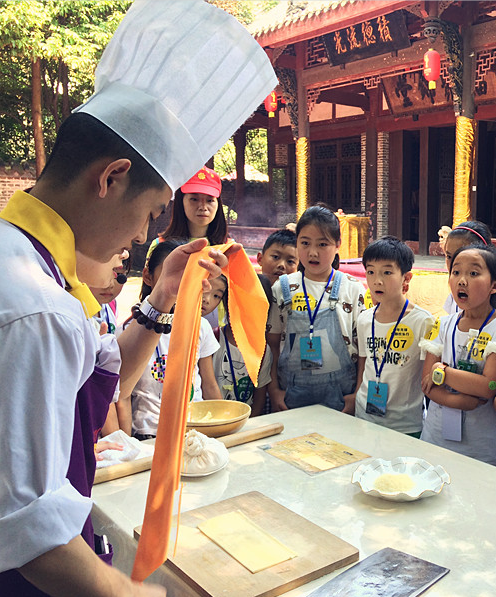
point(215, 418)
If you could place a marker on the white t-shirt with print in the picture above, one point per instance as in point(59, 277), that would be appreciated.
point(223, 374)
point(350, 304)
point(478, 425)
point(402, 370)
point(147, 394)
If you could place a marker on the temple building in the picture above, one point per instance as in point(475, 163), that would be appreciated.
point(358, 126)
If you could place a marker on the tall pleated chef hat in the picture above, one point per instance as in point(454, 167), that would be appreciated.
point(176, 80)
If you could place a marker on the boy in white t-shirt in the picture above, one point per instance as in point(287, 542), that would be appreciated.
point(146, 397)
point(390, 361)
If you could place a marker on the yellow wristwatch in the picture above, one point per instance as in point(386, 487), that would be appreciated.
point(439, 374)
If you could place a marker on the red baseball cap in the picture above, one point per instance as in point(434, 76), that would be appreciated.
point(205, 181)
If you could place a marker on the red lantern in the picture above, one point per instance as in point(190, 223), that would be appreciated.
point(270, 103)
point(432, 67)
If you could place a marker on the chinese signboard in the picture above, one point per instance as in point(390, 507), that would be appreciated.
point(409, 93)
point(370, 38)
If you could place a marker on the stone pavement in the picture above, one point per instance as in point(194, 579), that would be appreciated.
point(428, 290)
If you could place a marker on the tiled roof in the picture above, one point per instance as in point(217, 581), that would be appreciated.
point(280, 17)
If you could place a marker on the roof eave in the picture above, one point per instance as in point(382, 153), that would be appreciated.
point(325, 22)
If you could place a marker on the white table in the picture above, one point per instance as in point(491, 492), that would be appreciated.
point(456, 529)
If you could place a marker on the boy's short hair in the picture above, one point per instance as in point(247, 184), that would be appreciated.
point(81, 141)
point(390, 248)
point(281, 237)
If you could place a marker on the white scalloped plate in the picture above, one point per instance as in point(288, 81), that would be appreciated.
point(429, 480)
point(194, 475)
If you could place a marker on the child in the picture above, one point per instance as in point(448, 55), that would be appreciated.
point(460, 366)
point(147, 394)
point(212, 298)
point(389, 363)
point(197, 211)
point(106, 322)
point(278, 255)
point(106, 296)
point(316, 311)
point(230, 369)
point(467, 233)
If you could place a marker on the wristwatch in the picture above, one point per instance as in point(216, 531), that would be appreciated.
point(439, 374)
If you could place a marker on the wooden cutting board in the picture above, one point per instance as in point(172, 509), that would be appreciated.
point(212, 572)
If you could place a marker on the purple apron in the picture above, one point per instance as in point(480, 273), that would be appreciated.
point(92, 403)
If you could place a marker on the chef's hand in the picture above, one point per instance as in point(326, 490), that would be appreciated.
point(101, 446)
point(277, 400)
point(173, 268)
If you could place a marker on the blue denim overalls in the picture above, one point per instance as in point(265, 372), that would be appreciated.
point(304, 388)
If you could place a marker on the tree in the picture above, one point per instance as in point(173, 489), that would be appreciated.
point(55, 46)
point(255, 153)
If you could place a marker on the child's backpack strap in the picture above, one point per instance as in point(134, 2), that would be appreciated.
point(286, 292)
point(333, 299)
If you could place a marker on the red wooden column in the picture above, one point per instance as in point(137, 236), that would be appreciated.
point(303, 142)
point(396, 182)
point(239, 146)
point(371, 161)
point(428, 189)
point(271, 151)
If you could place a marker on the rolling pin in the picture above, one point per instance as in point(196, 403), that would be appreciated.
point(243, 437)
point(124, 469)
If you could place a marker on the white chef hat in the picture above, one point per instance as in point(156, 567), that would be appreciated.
point(176, 80)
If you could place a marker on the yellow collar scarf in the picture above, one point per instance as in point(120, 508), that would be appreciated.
point(248, 307)
point(47, 227)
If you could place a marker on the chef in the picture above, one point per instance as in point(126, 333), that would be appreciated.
point(160, 110)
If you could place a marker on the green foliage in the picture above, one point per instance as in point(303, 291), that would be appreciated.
point(69, 38)
point(255, 153)
point(245, 10)
point(230, 215)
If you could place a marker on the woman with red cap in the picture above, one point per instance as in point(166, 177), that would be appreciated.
point(197, 211)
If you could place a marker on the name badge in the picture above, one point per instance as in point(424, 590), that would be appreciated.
point(451, 423)
point(467, 366)
point(311, 353)
point(377, 394)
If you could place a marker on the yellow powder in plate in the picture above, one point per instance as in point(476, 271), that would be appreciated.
point(394, 483)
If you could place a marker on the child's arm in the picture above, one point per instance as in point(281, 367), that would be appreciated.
point(210, 388)
point(111, 422)
point(259, 395)
point(439, 394)
point(124, 414)
point(474, 383)
point(275, 392)
point(349, 399)
point(136, 342)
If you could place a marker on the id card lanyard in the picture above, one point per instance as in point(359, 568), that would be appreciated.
point(107, 317)
point(378, 370)
point(228, 350)
point(453, 352)
point(312, 316)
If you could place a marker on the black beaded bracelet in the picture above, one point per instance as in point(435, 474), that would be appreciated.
point(161, 325)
